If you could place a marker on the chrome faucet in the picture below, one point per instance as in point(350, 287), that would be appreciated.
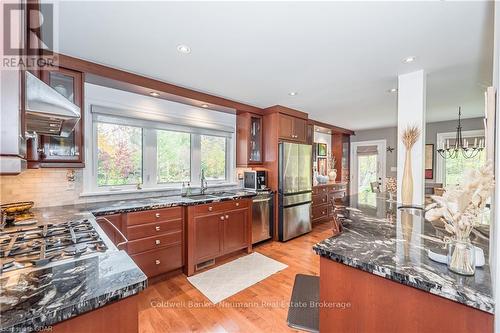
point(203, 182)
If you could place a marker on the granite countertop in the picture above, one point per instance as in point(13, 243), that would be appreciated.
point(378, 238)
point(34, 298)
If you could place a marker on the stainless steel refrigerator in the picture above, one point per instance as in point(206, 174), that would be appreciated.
point(294, 190)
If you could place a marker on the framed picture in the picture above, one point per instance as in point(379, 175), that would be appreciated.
point(429, 161)
point(322, 166)
point(322, 149)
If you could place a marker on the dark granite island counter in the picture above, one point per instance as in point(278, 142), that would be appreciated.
point(380, 267)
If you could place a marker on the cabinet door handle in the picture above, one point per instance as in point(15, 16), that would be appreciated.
point(157, 215)
point(237, 204)
point(157, 228)
point(324, 199)
point(157, 242)
point(222, 218)
point(324, 190)
point(210, 208)
point(157, 261)
point(227, 217)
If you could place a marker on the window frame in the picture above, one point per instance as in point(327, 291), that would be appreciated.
point(149, 158)
point(440, 142)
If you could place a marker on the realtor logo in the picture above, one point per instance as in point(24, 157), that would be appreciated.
point(28, 35)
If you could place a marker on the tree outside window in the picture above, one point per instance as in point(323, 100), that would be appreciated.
point(119, 155)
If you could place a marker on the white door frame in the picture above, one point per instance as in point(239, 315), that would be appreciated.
point(381, 147)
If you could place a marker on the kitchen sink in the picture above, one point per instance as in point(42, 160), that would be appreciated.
point(223, 194)
point(202, 197)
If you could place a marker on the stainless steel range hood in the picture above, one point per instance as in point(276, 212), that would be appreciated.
point(47, 111)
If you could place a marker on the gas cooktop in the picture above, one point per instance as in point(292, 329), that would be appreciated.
point(41, 245)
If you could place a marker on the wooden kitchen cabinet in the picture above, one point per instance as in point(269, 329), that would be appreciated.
point(235, 230)
point(107, 222)
point(323, 199)
point(292, 128)
point(155, 239)
point(249, 140)
point(215, 230)
point(208, 236)
point(54, 151)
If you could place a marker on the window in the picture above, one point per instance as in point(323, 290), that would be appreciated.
point(455, 169)
point(452, 171)
point(173, 157)
point(119, 155)
point(129, 152)
point(213, 157)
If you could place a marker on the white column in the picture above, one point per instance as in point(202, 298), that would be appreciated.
point(411, 112)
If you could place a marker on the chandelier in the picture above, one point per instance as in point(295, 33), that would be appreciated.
point(461, 145)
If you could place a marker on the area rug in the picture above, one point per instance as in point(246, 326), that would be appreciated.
point(226, 280)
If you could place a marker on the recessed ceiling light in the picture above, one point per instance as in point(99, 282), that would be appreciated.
point(204, 106)
point(154, 94)
point(292, 93)
point(392, 90)
point(408, 60)
point(183, 48)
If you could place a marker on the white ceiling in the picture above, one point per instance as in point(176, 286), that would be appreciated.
point(340, 57)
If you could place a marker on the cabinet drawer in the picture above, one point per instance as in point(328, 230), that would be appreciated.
point(337, 187)
point(155, 215)
point(153, 228)
point(217, 207)
point(320, 189)
point(154, 242)
point(159, 261)
point(319, 212)
point(319, 199)
point(337, 195)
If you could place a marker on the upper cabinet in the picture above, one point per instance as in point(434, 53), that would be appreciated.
point(55, 151)
point(249, 139)
point(292, 128)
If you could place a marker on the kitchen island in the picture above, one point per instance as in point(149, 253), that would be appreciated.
point(91, 292)
point(379, 271)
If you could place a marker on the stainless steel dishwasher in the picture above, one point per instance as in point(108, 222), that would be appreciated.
point(262, 216)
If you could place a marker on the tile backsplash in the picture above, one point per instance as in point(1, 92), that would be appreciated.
point(51, 187)
point(46, 187)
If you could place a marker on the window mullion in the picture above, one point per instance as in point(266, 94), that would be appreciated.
point(195, 159)
point(149, 157)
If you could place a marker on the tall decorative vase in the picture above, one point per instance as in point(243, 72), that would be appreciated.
point(407, 182)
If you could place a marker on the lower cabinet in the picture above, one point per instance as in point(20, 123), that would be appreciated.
point(155, 237)
point(324, 197)
point(207, 233)
point(217, 229)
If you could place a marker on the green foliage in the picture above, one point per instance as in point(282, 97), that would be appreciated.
point(367, 172)
point(119, 155)
point(174, 156)
point(213, 157)
point(455, 168)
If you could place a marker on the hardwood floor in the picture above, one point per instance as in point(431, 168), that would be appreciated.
point(174, 305)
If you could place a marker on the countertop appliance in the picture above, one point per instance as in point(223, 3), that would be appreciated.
point(294, 190)
point(47, 111)
point(262, 216)
point(41, 245)
point(254, 180)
